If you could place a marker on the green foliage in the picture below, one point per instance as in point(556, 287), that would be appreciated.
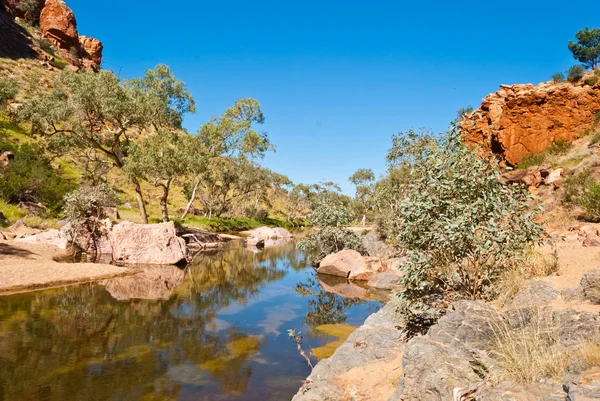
point(74, 52)
point(558, 77)
point(256, 213)
point(328, 240)
point(9, 90)
point(31, 8)
point(46, 46)
point(587, 48)
point(30, 177)
point(230, 224)
point(559, 147)
point(330, 235)
point(597, 117)
point(85, 203)
point(583, 190)
point(460, 225)
point(364, 181)
point(575, 73)
point(460, 113)
point(59, 63)
point(591, 81)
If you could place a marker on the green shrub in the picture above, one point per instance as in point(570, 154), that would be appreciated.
point(460, 225)
point(8, 90)
point(596, 138)
point(59, 63)
point(575, 73)
point(46, 46)
point(559, 147)
point(584, 191)
point(328, 240)
point(535, 159)
point(558, 77)
point(460, 113)
point(30, 177)
point(593, 80)
point(255, 213)
point(597, 117)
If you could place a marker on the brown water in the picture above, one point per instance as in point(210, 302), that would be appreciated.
point(214, 331)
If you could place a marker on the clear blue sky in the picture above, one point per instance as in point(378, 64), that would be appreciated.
point(337, 79)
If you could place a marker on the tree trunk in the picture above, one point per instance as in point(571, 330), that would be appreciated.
point(364, 220)
point(140, 199)
point(192, 198)
point(163, 200)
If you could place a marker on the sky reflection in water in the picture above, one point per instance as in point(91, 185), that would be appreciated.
point(216, 331)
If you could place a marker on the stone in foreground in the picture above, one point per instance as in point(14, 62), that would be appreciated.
point(352, 265)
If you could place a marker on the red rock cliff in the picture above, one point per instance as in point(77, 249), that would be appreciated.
point(519, 120)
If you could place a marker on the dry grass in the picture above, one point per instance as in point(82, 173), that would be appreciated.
point(590, 352)
point(530, 351)
point(513, 279)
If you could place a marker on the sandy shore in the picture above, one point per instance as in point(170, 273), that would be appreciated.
point(26, 267)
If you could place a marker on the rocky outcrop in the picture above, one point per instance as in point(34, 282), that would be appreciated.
point(352, 265)
point(58, 24)
point(92, 49)
point(147, 244)
point(519, 120)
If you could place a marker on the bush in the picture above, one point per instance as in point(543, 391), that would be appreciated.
point(46, 46)
point(460, 113)
point(85, 203)
point(30, 177)
point(330, 236)
point(596, 138)
point(558, 77)
point(460, 225)
point(255, 213)
point(559, 147)
point(59, 63)
point(575, 73)
point(593, 80)
point(8, 90)
point(584, 191)
point(328, 240)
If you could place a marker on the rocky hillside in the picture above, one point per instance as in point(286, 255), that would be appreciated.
point(520, 120)
point(47, 32)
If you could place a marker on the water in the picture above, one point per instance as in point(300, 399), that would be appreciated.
point(215, 331)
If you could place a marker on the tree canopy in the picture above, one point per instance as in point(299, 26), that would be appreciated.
point(587, 48)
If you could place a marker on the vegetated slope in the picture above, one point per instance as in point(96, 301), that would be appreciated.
point(520, 120)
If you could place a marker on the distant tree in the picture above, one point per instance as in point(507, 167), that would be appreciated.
point(160, 159)
point(558, 77)
point(460, 113)
point(8, 91)
point(97, 111)
point(225, 138)
point(587, 48)
point(364, 181)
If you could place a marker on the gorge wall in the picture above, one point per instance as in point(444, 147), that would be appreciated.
point(519, 120)
point(57, 24)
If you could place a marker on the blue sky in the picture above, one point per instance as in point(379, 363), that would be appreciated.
point(337, 79)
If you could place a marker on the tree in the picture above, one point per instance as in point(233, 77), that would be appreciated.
point(587, 48)
point(8, 91)
point(364, 181)
point(228, 137)
point(460, 113)
point(460, 225)
point(160, 159)
point(97, 111)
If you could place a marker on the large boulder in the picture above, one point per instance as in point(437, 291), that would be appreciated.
point(271, 233)
point(147, 244)
point(58, 24)
point(92, 48)
point(352, 265)
point(341, 263)
point(590, 284)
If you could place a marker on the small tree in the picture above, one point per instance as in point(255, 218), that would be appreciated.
point(575, 73)
point(558, 77)
point(330, 236)
point(364, 181)
point(9, 89)
point(587, 48)
point(460, 113)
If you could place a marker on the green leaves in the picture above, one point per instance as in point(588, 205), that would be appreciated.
point(587, 48)
point(8, 90)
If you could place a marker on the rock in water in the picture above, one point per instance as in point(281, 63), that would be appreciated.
point(156, 244)
point(341, 263)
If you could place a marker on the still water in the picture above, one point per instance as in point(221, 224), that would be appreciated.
point(214, 331)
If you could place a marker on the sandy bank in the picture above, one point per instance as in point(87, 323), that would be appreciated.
point(25, 267)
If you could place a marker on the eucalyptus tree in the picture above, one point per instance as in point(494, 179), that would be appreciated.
point(587, 48)
point(364, 181)
point(98, 111)
point(223, 139)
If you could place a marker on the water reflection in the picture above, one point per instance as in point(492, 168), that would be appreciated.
point(210, 332)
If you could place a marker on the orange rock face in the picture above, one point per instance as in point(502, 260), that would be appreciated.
point(58, 24)
point(92, 48)
point(519, 120)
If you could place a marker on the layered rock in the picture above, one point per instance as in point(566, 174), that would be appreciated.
point(519, 120)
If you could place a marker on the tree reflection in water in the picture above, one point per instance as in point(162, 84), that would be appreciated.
point(162, 340)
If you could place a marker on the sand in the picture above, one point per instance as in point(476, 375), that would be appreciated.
point(26, 267)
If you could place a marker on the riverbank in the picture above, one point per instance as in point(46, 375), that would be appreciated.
point(28, 267)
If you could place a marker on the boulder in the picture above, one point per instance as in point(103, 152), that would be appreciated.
point(387, 280)
point(535, 293)
point(271, 233)
point(590, 284)
point(156, 244)
point(148, 283)
point(531, 177)
point(255, 242)
point(58, 24)
point(35, 208)
point(5, 158)
point(93, 50)
point(554, 177)
point(519, 120)
point(341, 263)
point(591, 241)
point(53, 237)
point(368, 269)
